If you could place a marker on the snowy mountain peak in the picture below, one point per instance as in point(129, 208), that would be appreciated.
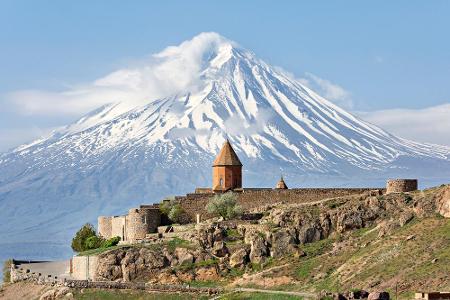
point(158, 126)
point(218, 89)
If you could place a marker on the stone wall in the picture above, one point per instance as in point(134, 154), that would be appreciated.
point(251, 199)
point(141, 221)
point(83, 267)
point(401, 185)
point(118, 227)
point(131, 227)
point(105, 226)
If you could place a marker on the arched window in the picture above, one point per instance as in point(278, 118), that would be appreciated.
point(221, 182)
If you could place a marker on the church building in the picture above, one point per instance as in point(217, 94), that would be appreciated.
point(227, 170)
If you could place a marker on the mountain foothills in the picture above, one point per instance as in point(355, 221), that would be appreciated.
point(141, 149)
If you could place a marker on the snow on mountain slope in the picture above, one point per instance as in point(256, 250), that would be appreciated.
point(139, 150)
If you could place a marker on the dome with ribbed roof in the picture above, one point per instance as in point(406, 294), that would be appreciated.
point(227, 156)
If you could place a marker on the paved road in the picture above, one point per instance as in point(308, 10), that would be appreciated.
point(53, 268)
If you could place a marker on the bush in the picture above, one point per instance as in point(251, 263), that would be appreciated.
point(225, 206)
point(79, 241)
point(7, 270)
point(172, 209)
point(93, 242)
point(111, 242)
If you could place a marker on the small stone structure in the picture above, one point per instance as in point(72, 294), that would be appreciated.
point(432, 295)
point(131, 227)
point(401, 185)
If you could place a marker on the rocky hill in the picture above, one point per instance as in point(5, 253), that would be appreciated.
point(340, 244)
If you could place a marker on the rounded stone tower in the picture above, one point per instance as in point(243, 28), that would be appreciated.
point(105, 227)
point(141, 221)
point(227, 170)
point(401, 185)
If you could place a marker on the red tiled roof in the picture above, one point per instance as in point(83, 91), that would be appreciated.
point(227, 156)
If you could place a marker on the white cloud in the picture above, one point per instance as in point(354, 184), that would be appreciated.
point(328, 90)
point(237, 125)
point(431, 124)
point(176, 69)
point(12, 137)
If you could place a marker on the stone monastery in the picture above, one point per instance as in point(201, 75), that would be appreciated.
point(227, 177)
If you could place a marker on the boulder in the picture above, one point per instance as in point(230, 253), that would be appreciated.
point(258, 249)
point(378, 296)
point(219, 249)
point(310, 232)
point(239, 258)
point(443, 202)
point(184, 256)
point(283, 242)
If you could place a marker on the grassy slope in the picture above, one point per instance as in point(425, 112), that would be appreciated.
point(367, 262)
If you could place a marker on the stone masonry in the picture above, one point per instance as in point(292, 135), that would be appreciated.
point(401, 185)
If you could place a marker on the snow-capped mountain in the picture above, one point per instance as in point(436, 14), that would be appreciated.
point(139, 150)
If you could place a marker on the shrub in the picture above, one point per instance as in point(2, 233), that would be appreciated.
point(224, 205)
point(7, 270)
point(172, 209)
point(93, 242)
point(111, 242)
point(79, 241)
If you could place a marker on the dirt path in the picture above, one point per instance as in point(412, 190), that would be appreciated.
point(22, 290)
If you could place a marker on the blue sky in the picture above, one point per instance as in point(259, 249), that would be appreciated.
point(386, 58)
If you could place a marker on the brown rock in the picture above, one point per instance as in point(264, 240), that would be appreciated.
point(443, 202)
point(219, 249)
point(258, 249)
point(239, 258)
point(185, 276)
point(378, 296)
point(283, 242)
point(167, 277)
point(48, 295)
point(184, 256)
point(207, 274)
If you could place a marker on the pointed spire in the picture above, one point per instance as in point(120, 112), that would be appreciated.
point(281, 185)
point(227, 156)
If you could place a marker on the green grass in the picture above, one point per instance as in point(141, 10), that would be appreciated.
point(233, 233)
point(94, 294)
point(100, 250)
point(258, 296)
point(192, 266)
point(305, 268)
point(318, 248)
point(178, 243)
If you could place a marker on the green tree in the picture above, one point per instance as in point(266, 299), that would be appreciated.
point(111, 242)
point(172, 209)
point(224, 205)
point(79, 241)
point(93, 242)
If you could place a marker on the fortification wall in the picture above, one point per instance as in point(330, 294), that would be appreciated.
point(84, 267)
point(118, 227)
point(250, 199)
point(105, 227)
point(401, 185)
point(141, 221)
